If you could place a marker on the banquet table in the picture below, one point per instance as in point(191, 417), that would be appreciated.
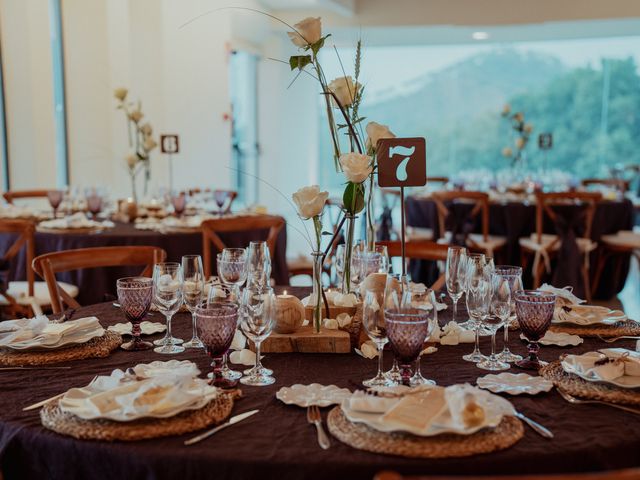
point(95, 283)
point(279, 443)
point(515, 220)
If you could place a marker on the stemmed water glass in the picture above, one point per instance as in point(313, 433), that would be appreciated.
point(135, 295)
point(193, 290)
point(216, 324)
point(407, 328)
point(514, 276)
point(396, 289)
point(455, 275)
point(478, 296)
point(55, 199)
point(179, 202)
point(339, 263)
point(167, 297)
point(258, 265)
point(258, 313)
point(499, 312)
point(373, 322)
point(424, 299)
point(534, 311)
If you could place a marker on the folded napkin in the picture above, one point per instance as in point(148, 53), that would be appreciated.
point(40, 332)
point(16, 331)
point(77, 220)
point(363, 402)
point(12, 211)
point(606, 364)
point(470, 406)
point(452, 334)
point(584, 314)
point(565, 295)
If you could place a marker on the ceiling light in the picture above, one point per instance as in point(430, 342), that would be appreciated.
point(479, 35)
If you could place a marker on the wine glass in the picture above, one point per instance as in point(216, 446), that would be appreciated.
point(258, 265)
point(193, 274)
point(373, 322)
point(257, 319)
point(514, 276)
point(179, 202)
point(55, 199)
point(478, 296)
point(93, 197)
point(499, 312)
point(216, 325)
point(339, 263)
point(135, 295)
point(220, 197)
point(167, 287)
point(534, 311)
point(407, 329)
point(396, 288)
point(455, 275)
point(425, 299)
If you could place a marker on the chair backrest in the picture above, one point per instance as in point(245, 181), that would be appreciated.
point(618, 183)
point(443, 180)
point(419, 250)
point(25, 230)
point(47, 265)
point(478, 200)
point(11, 195)
point(545, 203)
point(211, 228)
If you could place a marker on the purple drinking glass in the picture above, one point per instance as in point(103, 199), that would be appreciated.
point(135, 295)
point(216, 326)
point(55, 199)
point(407, 329)
point(220, 196)
point(94, 204)
point(534, 311)
point(179, 203)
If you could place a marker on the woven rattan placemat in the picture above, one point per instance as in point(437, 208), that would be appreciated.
point(97, 347)
point(362, 437)
point(628, 327)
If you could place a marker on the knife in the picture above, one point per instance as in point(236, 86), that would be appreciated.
point(545, 432)
point(232, 420)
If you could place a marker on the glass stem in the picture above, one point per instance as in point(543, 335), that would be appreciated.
point(493, 346)
point(258, 363)
point(169, 336)
point(193, 324)
point(455, 309)
point(380, 366)
point(477, 347)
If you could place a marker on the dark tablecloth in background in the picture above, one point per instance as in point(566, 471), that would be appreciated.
point(95, 283)
point(515, 220)
point(278, 443)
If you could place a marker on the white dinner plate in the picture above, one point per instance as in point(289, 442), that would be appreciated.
point(314, 394)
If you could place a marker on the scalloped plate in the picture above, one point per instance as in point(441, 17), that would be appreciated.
point(314, 394)
point(514, 383)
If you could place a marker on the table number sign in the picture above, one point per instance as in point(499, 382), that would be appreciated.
point(545, 141)
point(170, 144)
point(402, 162)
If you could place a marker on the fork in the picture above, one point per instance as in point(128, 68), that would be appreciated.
point(577, 401)
point(314, 417)
point(614, 339)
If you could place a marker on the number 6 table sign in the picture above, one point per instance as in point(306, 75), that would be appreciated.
point(170, 144)
point(402, 162)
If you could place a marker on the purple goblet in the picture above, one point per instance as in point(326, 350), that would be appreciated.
point(94, 204)
point(135, 295)
point(220, 196)
point(407, 329)
point(179, 203)
point(534, 311)
point(216, 327)
point(55, 199)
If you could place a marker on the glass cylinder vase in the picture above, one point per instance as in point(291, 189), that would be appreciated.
point(348, 253)
point(316, 296)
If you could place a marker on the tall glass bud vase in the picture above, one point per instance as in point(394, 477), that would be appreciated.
point(348, 252)
point(317, 290)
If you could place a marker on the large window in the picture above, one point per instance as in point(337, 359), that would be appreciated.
point(585, 92)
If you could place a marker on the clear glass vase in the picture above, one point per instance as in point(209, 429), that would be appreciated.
point(348, 252)
point(316, 296)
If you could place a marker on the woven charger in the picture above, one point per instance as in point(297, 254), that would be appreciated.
point(97, 347)
point(212, 413)
point(363, 437)
point(628, 327)
point(579, 387)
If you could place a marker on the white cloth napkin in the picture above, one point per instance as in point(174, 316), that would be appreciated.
point(452, 334)
point(77, 220)
point(363, 402)
point(14, 331)
point(461, 397)
point(585, 364)
point(584, 314)
point(565, 294)
point(40, 332)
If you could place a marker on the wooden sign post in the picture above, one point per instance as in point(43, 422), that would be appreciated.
point(170, 144)
point(402, 162)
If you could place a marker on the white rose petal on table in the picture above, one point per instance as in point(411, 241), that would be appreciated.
point(367, 350)
point(244, 357)
point(514, 384)
point(314, 394)
point(560, 339)
point(146, 328)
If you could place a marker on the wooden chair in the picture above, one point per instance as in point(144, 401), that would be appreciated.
point(619, 184)
point(544, 246)
point(479, 202)
point(47, 265)
point(11, 195)
point(625, 474)
point(622, 243)
point(211, 228)
point(419, 250)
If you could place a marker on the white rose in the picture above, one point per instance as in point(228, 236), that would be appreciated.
point(308, 32)
point(528, 128)
point(131, 159)
point(146, 129)
point(136, 115)
point(345, 89)
point(149, 144)
point(310, 201)
point(520, 143)
point(356, 167)
point(120, 93)
point(375, 132)
point(507, 152)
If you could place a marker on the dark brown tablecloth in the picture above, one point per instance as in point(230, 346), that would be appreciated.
point(278, 443)
point(95, 283)
point(515, 220)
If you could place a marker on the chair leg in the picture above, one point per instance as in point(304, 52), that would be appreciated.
point(587, 287)
point(602, 260)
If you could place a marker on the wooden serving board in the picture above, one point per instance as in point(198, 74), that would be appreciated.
point(304, 340)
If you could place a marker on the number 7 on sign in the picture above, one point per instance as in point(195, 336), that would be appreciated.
point(402, 162)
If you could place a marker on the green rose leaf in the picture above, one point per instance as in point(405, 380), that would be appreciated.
point(353, 198)
point(299, 61)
